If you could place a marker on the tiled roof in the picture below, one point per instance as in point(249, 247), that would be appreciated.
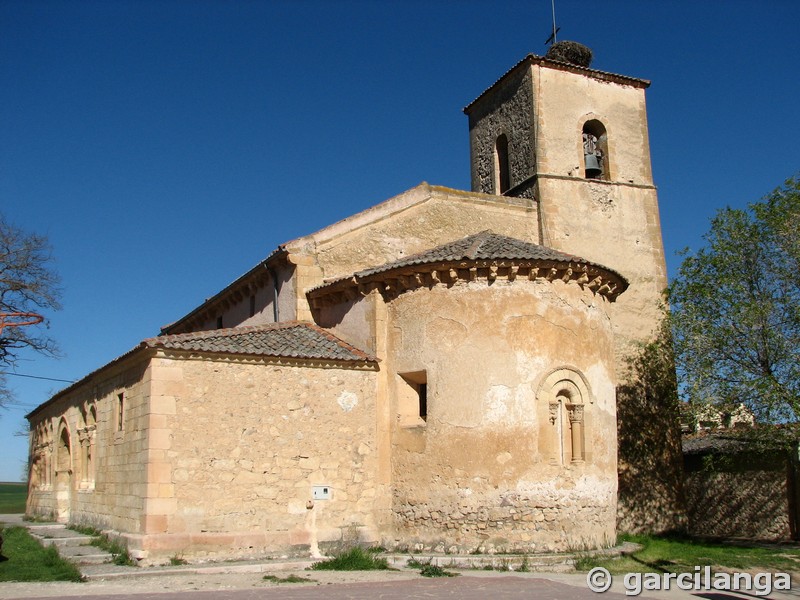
point(481, 255)
point(295, 339)
point(480, 246)
point(292, 339)
point(565, 66)
point(712, 442)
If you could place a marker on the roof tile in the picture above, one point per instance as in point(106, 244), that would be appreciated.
point(294, 339)
point(485, 245)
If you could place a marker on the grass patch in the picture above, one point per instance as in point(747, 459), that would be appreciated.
point(289, 579)
point(435, 571)
point(428, 569)
point(12, 497)
point(84, 529)
point(354, 559)
point(177, 560)
point(38, 519)
point(29, 561)
point(413, 563)
point(682, 555)
point(119, 553)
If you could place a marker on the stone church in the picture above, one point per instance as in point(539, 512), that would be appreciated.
point(437, 372)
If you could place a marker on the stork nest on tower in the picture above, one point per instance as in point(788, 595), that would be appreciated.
point(570, 52)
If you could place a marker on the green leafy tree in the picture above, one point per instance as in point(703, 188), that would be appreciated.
point(28, 283)
point(736, 310)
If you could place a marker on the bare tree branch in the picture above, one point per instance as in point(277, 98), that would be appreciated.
point(28, 283)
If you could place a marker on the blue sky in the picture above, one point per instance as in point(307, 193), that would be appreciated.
point(165, 147)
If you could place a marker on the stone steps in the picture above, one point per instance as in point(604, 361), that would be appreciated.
point(551, 563)
point(72, 545)
point(534, 563)
point(76, 547)
point(85, 555)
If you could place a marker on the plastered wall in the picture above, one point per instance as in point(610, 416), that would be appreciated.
point(418, 220)
point(488, 469)
point(616, 226)
point(565, 101)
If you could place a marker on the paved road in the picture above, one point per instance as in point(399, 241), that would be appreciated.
point(244, 584)
point(466, 588)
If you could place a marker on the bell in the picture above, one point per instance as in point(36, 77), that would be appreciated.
point(593, 168)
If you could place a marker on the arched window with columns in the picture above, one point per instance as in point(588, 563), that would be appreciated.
point(86, 435)
point(64, 472)
point(563, 398)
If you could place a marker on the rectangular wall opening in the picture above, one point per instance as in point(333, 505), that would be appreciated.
point(412, 399)
point(120, 411)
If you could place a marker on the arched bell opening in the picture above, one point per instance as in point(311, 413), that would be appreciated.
point(595, 150)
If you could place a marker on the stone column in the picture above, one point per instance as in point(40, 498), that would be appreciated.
point(48, 464)
point(83, 438)
point(576, 423)
point(90, 433)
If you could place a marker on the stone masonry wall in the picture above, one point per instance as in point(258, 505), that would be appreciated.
point(747, 499)
point(246, 443)
point(105, 483)
point(509, 111)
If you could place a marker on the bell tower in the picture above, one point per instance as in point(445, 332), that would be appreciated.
point(573, 141)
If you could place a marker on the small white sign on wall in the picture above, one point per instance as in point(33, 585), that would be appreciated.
point(321, 492)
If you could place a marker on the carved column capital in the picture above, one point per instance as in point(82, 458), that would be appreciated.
point(554, 405)
point(575, 413)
